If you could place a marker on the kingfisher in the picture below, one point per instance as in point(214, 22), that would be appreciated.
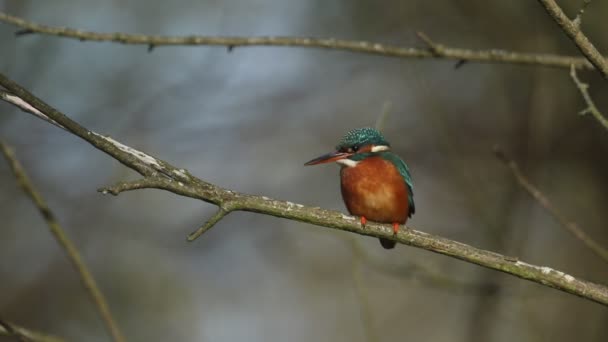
point(376, 184)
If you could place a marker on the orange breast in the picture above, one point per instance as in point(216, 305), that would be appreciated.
point(375, 189)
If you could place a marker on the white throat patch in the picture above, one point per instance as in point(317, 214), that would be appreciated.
point(380, 148)
point(347, 162)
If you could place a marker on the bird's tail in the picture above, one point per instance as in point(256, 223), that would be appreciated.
point(387, 244)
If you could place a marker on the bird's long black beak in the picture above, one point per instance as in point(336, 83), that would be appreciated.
point(328, 158)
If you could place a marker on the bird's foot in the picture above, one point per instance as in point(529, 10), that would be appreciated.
point(395, 228)
point(363, 221)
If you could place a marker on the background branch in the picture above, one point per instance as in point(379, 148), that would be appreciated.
point(383, 117)
point(570, 226)
point(572, 30)
point(180, 182)
point(579, 16)
point(85, 276)
point(439, 52)
point(583, 88)
point(23, 334)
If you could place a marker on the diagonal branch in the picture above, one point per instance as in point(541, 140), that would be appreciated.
point(180, 182)
point(573, 31)
point(23, 334)
point(26, 107)
point(583, 88)
point(570, 226)
point(85, 275)
point(140, 162)
point(445, 52)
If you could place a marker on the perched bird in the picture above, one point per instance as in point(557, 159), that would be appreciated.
point(376, 184)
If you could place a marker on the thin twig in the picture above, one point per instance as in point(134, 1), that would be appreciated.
point(583, 88)
point(181, 182)
point(23, 334)
point(219, 214)
point(85, 275)
point(570, 226)
point(572, 30)
point(436, 49)
point(578, 20)
point(450, 53)
point(116, 189)
point(383, 117)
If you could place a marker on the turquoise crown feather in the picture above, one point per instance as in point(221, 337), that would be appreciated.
point(362, 136)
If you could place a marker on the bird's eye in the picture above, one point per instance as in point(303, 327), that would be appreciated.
point(351, 149)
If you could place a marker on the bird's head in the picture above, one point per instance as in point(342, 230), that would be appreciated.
point(353, 146)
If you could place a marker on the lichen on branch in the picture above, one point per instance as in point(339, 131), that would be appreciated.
point(159, 174)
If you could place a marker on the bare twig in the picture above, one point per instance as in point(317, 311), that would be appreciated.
point(572, 30)
point(116, 189)
point(449, 53)
point(179, 181)
point(583, 88)
point(23, 334)
point(579, 16)
point(570, 226)
point(85, 276)
point(382, 118)
point(221, 212)
point(436, 49)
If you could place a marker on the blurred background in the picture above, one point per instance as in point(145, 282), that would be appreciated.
point(248, 120)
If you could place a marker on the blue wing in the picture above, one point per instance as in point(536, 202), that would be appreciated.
point(407, 177)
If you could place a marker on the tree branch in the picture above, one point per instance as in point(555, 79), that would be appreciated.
point(26, 107)
point(85, 275)
point(180, 182)
point(573, 31)
point(448, 53)
point(570, 226)
point(23, 334)
point(583, 88)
